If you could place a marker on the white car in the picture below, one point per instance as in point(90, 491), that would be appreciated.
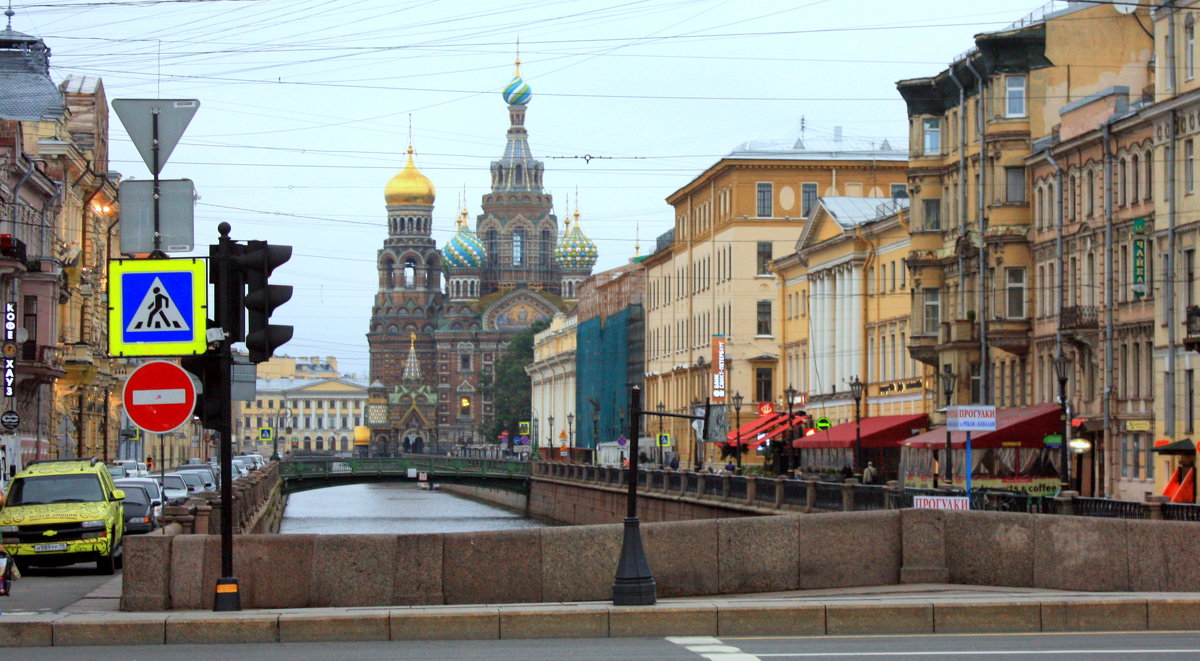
point(175, 490)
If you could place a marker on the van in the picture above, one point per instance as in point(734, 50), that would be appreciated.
point(63, 511)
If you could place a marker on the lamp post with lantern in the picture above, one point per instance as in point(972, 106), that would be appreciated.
point(550, 421)
point(284, 414)
point(1062, 367)
point(658, 439)
point(570, 430)
point(790, 394)
point(856, 391)
point(949, 378)
point(737, 400)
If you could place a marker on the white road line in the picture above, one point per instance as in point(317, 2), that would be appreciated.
point(712, 648)
point(974, 653)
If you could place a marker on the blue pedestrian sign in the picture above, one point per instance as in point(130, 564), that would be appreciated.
point(157, 307)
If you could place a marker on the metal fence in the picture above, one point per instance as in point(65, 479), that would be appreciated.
point(870, 497)
point(764, 494)
point(712, 485)
point(1113, 509)
point(1180, 512)
point(737, 488)
point(829, 496)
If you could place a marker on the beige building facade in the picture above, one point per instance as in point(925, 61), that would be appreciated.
point(552, 383)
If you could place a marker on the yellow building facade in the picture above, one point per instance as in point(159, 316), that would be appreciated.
point(552, 383)
point(302, 415)
point(712, 274)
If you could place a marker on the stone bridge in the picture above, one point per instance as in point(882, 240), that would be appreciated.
point(306, 473)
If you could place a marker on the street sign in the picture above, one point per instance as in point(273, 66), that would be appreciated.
point(822, 424)
point(157, 307)
point(562, 434)
point(523, 427)
point(971, 418)
point(140, 116)
point(10, 419)
point(176, 224)
point(266, 434)
point(159, 396)
point(766, 408)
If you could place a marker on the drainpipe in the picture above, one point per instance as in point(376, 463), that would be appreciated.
point(1058, 248)
point(16, 202)
point(1169, 284)
point(1106, 439)
point(982, 312)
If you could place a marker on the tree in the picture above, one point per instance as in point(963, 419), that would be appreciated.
point(508, 386)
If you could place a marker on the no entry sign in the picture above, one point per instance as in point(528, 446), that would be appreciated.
point(159, 396)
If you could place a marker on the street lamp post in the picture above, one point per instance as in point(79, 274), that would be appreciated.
point(790, 394)
point(570, 430)
point(948, 380)
point(737, 400)
point(856, 391)
point(658, 439)
point(550, 420)
point(284, 414)
point(696, 440)
point(1062, 366)
point(595, 436)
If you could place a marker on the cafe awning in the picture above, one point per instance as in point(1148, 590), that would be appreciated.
point(877, 432)
point(1024, 427)
point(749, 432)
point(1182, 446)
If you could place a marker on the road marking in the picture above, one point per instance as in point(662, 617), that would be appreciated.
point(712, 649)
point(164, 396)
point(974, 653)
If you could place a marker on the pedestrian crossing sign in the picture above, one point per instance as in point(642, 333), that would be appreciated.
point(157, 307)
point(664, 440)
point(266, 434)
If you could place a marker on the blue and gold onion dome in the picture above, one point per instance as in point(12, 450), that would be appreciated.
point(517, 92)
point(464, 250)
point(576, 251)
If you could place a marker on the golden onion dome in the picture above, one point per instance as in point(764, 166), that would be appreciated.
point(410, 186)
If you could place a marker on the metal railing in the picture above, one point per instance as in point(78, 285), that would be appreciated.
point(737, 487)
point(870, 497)
point(713, 485)
point(829, 496)
point(1104, 507)
point(1180, 512)
point(795, 492)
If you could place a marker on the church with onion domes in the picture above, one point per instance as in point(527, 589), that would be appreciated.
point(442, 317)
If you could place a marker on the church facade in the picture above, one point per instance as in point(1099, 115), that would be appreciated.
point(442, 317)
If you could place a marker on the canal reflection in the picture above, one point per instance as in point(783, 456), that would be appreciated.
point(392, 508)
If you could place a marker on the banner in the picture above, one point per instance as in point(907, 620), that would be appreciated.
point(718, 369)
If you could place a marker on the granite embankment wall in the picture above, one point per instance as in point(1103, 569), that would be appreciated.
point(688, 558)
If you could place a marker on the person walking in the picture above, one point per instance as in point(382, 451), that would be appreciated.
point(870, 473)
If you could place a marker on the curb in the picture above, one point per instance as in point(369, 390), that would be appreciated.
point(694, 617)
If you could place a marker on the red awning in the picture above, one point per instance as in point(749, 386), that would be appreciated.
point(749, 432)
point(878, 432)
point(1015, 427)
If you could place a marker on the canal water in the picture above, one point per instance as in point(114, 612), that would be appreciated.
point(392, 508)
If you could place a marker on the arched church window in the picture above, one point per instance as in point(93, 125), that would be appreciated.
point(493, 245)
point(544, 258)
point(389, 274)
point(410, 274)
point(518, 176)
point(518, 247)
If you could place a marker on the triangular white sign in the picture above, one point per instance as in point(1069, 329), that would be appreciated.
point(157, 312)
point(138, 116)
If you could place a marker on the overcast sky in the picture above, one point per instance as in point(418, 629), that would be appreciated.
point(305, 107)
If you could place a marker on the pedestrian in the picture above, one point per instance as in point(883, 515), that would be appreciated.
point(675, 462)
point(870, 474)
point(8, 572)
point(730, 467)
point(847, 472)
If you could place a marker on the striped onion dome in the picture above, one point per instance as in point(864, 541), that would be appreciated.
point(464, 250)
point(576, 251)
point(517, 92)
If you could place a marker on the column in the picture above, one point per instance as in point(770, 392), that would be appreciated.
point(855, 333)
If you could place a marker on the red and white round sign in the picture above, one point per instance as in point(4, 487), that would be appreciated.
point(159, 396)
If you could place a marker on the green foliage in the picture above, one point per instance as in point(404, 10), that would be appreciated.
point(508, 386)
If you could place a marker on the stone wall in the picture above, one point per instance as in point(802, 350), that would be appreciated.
point(688, 558)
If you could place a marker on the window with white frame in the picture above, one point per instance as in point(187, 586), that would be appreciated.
point(933, 310)
point(932, 210)
point(1015, 284)
point(1014, 96)
point(933, 136)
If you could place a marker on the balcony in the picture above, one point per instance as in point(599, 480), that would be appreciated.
point(959, 331)
point(1011, 335)
point(1191, 335)
point(39, 363)
point(922, 258)
point(1079, 318)
point(923, 348)
point(80, 361)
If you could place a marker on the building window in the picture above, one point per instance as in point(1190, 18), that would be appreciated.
point(1189, 45)
point(976, 395)
point(764, 200)
point(1015, 281)
point(933, 136)
point(29, 313)
point(493, 244)
point(808, 199)
point(464, 362)
point(1189, 166)
point(1014, 181)
point(1190, 378)
point(899, 191)
point(932, 210)
point(933, 311)
point(764, 318)
point(1189, 277)
point(762, 384)
point(518, 247)
point(547, 245)
point(1014, 96)
point(764, 257)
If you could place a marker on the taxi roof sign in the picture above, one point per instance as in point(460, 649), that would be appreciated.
point(157, 307)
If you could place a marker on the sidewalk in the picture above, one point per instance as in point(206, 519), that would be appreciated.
point(900, 609)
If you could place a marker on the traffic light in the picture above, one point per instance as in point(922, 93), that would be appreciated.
point(257, 261)
point(207, 368)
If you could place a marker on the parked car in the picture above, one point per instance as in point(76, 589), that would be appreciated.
point(141, 515)
point(258, 460)
point(64, 511)
point(211, 480)
point(195, 481)
point(175, 489)
point(242, 466)
point(131, 468)
point(118, 472)
point(143, 470)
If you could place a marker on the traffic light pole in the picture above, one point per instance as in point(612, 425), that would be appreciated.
point(228, 290)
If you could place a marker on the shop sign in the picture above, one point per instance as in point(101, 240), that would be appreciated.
point(1140, 288)
point(718, 369)
point(10, 349)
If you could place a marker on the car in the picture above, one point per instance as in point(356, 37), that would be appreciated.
point(62, 511)
point(118, 472)
point(142, 470)
point(175, 489)
point(211, 479)
point(131, 467)
point(152, 485)
point(141, 512)
point(243, 466)
point(195, 481)
point(258, 460)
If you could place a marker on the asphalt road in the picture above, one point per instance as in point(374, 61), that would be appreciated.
point(46, 589)
point(1155, 646)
